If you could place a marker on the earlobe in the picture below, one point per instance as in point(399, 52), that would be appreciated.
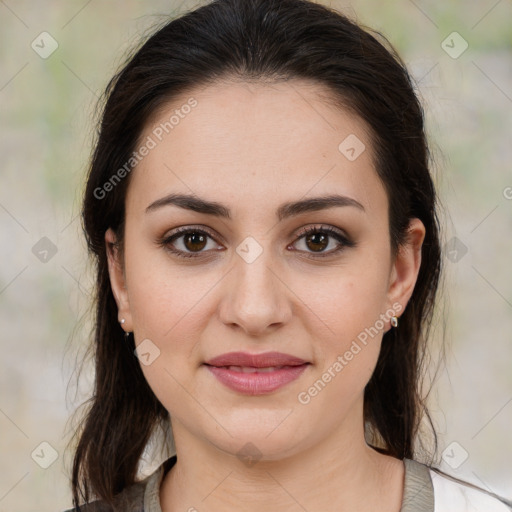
point(117, 280)
point(407, 265)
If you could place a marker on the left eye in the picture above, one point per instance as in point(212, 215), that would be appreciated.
point(318, 239)
point(193, 242)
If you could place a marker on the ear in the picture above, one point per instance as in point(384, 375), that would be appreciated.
point(406, 266)
point(117, 280)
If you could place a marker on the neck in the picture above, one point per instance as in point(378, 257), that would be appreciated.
point(340, 472)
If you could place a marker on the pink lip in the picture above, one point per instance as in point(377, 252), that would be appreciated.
point(256, 383)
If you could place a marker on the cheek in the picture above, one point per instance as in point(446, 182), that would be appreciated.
point(346, 354)
point(170, 306)
point(347, 301)
point(166, 299)
point(347, 311)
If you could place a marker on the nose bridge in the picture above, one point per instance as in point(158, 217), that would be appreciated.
point(255, 275)
point(256, 299)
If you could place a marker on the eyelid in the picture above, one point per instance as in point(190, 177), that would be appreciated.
point(305, 230)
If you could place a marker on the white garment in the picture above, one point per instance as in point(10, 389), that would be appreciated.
point(450, 496)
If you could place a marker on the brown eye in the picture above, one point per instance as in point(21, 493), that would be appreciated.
point(188, 242)
point(194, 241)
point(317, 242)
point(317, 239)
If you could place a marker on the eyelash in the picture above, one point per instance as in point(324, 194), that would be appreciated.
point(166, 242)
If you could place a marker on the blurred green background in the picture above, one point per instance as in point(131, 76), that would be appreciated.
point(46, 123)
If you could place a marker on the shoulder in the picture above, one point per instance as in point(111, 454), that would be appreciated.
point(95, 506)
point(130, 499)
point(450, 495)
point(142, 496)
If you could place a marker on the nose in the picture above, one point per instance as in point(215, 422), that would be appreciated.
point(255, 299)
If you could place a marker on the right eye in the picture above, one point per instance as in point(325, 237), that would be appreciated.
point(192, 242)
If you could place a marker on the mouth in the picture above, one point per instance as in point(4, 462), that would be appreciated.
point(259, 361)
point(259, 374)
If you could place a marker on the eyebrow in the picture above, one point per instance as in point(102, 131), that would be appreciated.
point(286, 210)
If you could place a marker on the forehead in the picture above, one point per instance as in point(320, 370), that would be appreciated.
point(256, 140)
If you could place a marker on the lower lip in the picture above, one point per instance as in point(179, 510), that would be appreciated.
point(257, 383)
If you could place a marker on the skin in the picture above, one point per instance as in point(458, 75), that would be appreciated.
point(253, 147)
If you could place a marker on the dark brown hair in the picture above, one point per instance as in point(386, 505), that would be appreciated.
point(257, 40)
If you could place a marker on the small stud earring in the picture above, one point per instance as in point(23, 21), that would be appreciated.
point(394, 321)
point(122, 321)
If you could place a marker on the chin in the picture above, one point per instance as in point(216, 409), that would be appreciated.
point(258, 441)
point(251, 450)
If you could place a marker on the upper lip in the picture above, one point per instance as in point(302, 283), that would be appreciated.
point(264, 360)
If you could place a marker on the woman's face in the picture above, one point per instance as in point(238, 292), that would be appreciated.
point(248, 277)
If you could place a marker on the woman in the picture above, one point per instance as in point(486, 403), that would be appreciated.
point(263, 220)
